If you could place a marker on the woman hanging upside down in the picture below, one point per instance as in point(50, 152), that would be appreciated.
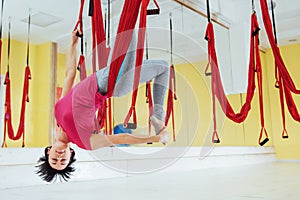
point(75, 111)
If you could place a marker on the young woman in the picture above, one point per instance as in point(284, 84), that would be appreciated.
point(75, 111)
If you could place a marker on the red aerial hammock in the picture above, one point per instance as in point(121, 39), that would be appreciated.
point(81, 64)
point(128, 20)
point(149, 99)
point(139, 59)
point(127, 24)
point(287, 80)
point(98, 39)
point(139, 53)
point(172, 86)
point(8, 117)
point(216, 83)
point(283, 79)
point(100, 53)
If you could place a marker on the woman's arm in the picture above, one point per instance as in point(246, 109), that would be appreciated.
point(70, 66)
point(97, 141)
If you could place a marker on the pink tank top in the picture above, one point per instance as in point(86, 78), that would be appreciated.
point(75, 112)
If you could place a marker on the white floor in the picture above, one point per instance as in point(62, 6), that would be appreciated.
point(270, 181)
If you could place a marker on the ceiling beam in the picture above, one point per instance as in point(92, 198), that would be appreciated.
point(192, 7)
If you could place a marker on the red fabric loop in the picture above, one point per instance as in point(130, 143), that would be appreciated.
point(284, 134)
point(82, 67)
point(263, 131)
point(215, 137)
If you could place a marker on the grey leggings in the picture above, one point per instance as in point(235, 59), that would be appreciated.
point(151, 69)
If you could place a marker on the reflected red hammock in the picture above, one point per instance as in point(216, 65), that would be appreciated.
point(8, 116)
point(217, 87)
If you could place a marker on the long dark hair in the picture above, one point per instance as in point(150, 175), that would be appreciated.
point(47, 173)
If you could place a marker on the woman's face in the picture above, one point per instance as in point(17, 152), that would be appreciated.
point(59, 155)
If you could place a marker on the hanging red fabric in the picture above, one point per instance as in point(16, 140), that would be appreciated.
point(170, 101)
point(82, 68)
point(283, 79)
point(124, 34)
point(139, 61)
point(98, 36)
point(79, 21)
point(81, 64)
point(284, 133)
point(287, 80)
point(258, 70)
point(110, 120)
point(216, 83)
point(217, 87)
point(8, 117)
point(149, 101)
point(100, 53)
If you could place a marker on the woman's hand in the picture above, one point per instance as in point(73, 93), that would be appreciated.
point(75, 37)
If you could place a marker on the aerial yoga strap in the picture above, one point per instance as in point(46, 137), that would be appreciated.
point(172, 87)
point(149, 99)
point(7, 119)
point(81, 64)
point(278, 83)
point(127, 23)
point(154, 11)
point(99, 58)
point(139, 60)
point(217, 87)
point(100, 52)
point(287, 80)
point(283, 79)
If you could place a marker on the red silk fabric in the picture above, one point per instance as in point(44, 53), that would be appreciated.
point(216, 83)
point(8, 116)
point(286, 84)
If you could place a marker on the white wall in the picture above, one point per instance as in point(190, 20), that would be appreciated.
point(239, 52)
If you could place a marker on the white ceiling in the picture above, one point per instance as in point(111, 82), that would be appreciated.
point(188, 25)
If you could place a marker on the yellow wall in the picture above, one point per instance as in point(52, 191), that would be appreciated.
point(37, 110)
point(288, 148)
point(61, 69)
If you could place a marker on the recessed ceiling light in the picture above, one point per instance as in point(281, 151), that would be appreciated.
point(42, 19)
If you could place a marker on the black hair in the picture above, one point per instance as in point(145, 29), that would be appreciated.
point(49, 174)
